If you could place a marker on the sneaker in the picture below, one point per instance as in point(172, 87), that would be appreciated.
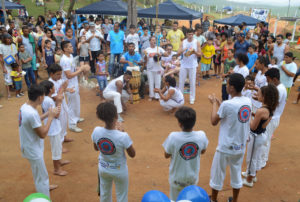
point(244, 174)
point(230, 199)
point(80, 120)
point(192, 102)
point(204, 77)
point(248, 184)
point(75, 129)
point(18, 95)
point(120, 119)
point(22, 94)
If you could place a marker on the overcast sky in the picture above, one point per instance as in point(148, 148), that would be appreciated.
point(271, 2)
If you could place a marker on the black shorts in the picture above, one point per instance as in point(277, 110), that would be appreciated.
point(84, 59)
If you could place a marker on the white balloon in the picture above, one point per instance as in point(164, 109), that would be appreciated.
point(39, 200)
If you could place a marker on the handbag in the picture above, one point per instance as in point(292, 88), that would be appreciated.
point(9, 59)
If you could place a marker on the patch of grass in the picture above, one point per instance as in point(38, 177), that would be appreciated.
point(52, 5)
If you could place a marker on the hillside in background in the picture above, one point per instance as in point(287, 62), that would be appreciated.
point(219, 4)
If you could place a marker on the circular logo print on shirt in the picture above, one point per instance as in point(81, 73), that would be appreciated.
point(244, 113)
point(106, 146)
point(189, 150)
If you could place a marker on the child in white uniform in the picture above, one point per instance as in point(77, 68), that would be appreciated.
point(55, 130)
point(184, 148)
point(70, 73)
point(234, 116)
point(60, 86)
point(112, 160)
point(171, 98)
point(247, 91)
point(32, 135)
point(268, 96)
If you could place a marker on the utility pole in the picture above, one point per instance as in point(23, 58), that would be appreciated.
point(288, 8)
point(4, 11)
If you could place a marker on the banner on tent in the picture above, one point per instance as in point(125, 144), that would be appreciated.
point(260, 14)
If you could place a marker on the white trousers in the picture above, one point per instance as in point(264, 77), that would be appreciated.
point(73, 108)
point(63, 117)
point(116, 97)
point(174, 192)
point(218, 170)
point(154, 79)
point(170, 104)
point(56, 146)
point(121, 184)
point(40, 176)
point(271, 127)
point(253, 152)
point(192, 77)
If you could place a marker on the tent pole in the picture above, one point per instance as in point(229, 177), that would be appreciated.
point(294, 30)
point(4, 12)
point(275, 28)
point(77, 25)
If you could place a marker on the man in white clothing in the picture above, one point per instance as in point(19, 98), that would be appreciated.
point(32, 134)
point(94, 37)
point(191, 50)
point(70, 73)
point(118, 90)
point(273, 77)
point(234, 117)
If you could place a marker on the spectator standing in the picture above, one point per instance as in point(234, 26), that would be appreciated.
point(206, 24)
point(175, 36)
point(58, 33)
point(116, 40)
point(94, 37)
point(241, 46)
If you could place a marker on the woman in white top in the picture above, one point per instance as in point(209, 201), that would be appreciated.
point(170, 97)
point(154, 69)
point(112, 160)
point(241, 61)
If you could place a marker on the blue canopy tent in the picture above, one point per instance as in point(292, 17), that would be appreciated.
point(11, 5)
point(106, 7)
point(238, 20)
point(227, 8)
point(170, 10)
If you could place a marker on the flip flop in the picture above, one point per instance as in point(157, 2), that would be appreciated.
point(68, 140)
point(52, 187)
point(61, 173)
point(64, 162)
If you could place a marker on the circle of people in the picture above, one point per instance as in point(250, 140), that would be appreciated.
point(256, 69)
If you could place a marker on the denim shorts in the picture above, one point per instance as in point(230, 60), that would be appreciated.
point(84, 59)
point(102, 82)
point(205, 67)
point(18, 85)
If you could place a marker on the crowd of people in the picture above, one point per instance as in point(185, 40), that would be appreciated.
point(256, 70)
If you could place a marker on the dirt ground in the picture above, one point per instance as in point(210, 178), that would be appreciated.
point(148, 126)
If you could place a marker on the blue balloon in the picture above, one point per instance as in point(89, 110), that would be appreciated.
point(155, 196)
point(193, 193)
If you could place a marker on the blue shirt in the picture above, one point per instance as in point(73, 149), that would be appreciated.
point(116, 41)
point(49, 57)
point(131, 58)
point(252, 58)
point(241, 47)
point(158, 37)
